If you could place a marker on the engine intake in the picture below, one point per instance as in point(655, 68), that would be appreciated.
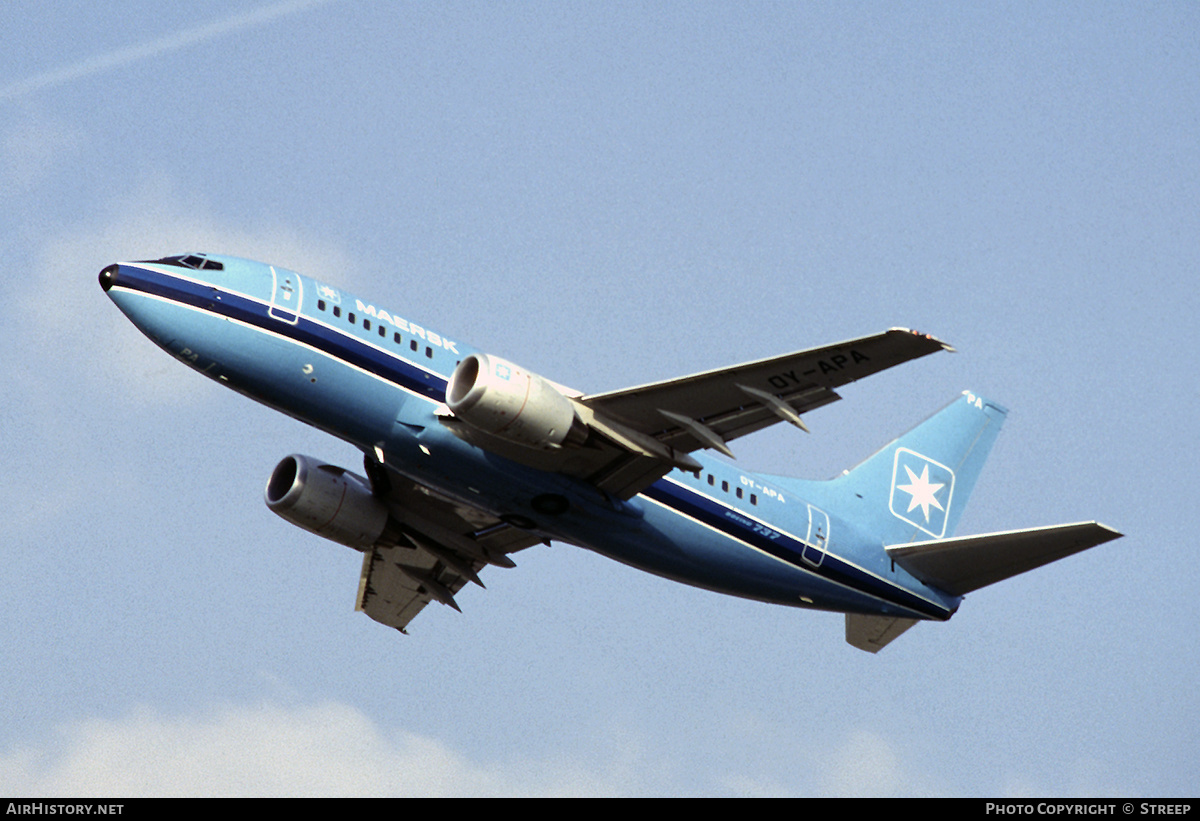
point(497, 397)
point(329, 501)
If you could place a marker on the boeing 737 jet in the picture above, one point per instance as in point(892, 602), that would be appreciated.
point(470, 458)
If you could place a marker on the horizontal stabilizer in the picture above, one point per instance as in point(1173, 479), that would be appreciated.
point(872, 633)
point(968, 563)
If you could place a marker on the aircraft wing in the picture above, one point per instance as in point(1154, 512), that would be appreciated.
point(657, 424)
point(441, 548)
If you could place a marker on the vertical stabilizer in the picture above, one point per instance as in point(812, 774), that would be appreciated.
point(918, 485)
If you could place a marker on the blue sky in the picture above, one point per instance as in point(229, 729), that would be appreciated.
point(606, 194)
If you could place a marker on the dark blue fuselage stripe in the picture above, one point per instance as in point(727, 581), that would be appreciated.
point(252, 312)
point(398, 371)
point(786, 548)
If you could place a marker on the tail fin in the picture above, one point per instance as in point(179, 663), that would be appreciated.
point(912, 493)
point(919, 484)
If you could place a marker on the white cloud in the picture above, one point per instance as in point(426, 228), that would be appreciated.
point(66, 343)
point(866, 765)
point(157, 219)
point(270, 750)
point(332, 749)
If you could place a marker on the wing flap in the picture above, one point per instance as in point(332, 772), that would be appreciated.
point(442, 547)
point(386, 594)
point(967, 563)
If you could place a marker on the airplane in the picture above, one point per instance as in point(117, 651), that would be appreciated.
point(470, 458)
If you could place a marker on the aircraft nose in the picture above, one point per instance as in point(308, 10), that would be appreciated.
point(108, 277)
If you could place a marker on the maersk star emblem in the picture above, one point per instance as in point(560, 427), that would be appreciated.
point(921, 492)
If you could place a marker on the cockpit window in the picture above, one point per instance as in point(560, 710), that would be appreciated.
point(197, 262)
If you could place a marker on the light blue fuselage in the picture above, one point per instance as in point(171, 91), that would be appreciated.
point(375, 379)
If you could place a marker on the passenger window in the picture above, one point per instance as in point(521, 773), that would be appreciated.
point(366, 324)
point(350, 316)
point(320, 304)
point(337, 310)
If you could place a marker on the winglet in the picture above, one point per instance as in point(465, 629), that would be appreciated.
point(946, 346)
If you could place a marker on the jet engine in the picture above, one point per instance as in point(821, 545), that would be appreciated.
point(497, 397)
point(329, 501)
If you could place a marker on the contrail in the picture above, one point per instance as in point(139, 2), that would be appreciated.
point(172, 42)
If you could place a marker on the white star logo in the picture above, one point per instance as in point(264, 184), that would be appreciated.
point(923, 491)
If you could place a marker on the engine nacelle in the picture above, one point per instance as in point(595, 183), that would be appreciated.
point(495, 396)
point(327, 500)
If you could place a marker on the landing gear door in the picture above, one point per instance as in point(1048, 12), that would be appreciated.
point(818, 536)
point(286, 291)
